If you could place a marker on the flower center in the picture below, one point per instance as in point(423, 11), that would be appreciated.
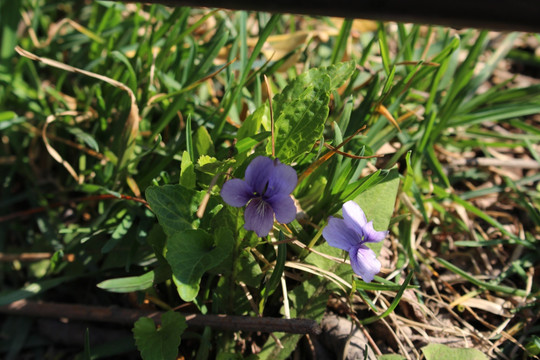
point(256, 194)
point(260, 205)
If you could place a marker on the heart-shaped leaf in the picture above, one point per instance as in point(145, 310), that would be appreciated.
point(191, 253)
point(161, 343)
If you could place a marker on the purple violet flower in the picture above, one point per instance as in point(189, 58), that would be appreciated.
point(350, 234)
point(266, 191)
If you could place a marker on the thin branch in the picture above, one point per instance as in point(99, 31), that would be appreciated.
point(124, 316)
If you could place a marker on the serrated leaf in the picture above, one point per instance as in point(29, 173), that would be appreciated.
point(443, 352)
point(339, 73)
point(162, 343)
point(191, 253)
point(301, 109)
point(301, 121)
point(212, 166)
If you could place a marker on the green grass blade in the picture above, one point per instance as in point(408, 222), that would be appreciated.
point(482, 284)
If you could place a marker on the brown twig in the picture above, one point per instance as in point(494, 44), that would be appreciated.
point(327, 156)
point(124, 316)
point(358, 157)
point(32, 256)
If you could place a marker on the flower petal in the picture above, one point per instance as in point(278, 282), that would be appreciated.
point(354, 216)
point(283, 206)
point(236, 192)
point(364, 262)
point(370, 235)
point(338, 235)
point(283, 179)
point(258, 173)
point(259, 217)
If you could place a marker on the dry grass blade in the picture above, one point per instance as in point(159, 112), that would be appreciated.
point(318, 271)
point(54, 154)
point(54, 29)
point(381, 109)
point(131, 127)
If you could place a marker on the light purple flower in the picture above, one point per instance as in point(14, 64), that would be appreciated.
point(266, 191)
point(350, 234)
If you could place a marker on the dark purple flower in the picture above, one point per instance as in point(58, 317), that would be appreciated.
point(266, 191)
point(350, 234)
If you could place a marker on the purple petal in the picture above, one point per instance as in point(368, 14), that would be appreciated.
point(284, 208)
point(354, 216)
point(236, 192)
point(370, 235)
point(259, 217)
point(283, 179)
point(364, 262)
point(258, 173)
point(338, 235)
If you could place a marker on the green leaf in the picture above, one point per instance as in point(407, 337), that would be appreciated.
point(187, 171)
point(213, 166)
point(443, 352)
point(301, 118)
point(301, 109)
point(162, 343)
point(533, 346)
point(7, 115)
point(84, 137)
point(378, 203)
point(390, 357)
point(248, 269)
point(339, 73)
point(248, 143)
point(173, 205)
point(136, 283)
point(251, 125)
point(119, 232)
point(202, 142)
point(191, 253)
